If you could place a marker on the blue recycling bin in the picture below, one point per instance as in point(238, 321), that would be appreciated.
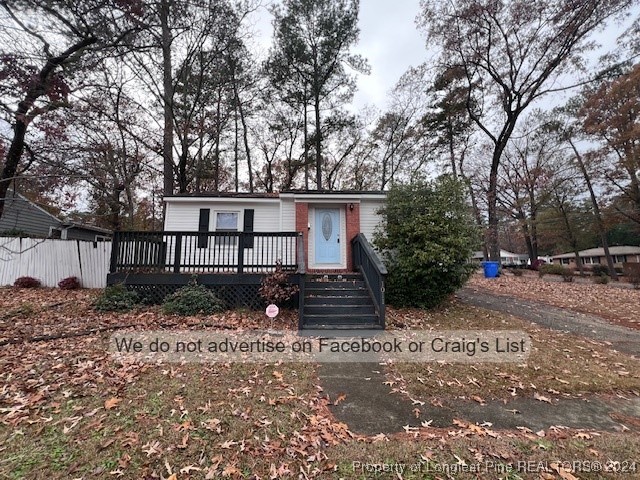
point(491, 269)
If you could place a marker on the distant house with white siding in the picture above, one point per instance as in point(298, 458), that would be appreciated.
point(506, 258)
point(21, 216)
point(328, 220)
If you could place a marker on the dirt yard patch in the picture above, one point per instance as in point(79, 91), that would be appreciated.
point(620, 306)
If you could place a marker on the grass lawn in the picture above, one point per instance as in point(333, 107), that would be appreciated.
point(560, 365)
point(68, 410)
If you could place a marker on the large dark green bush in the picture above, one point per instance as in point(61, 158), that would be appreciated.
point(426, 238)
point(192, 299)
point(116, 298)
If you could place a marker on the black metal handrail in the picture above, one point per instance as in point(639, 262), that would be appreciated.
point(367, 261)
point(204, 252)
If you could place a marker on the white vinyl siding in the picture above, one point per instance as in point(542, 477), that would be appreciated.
point(287, 215)
point(369, 218)
point(184, 216)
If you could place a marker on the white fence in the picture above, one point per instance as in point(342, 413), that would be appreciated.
point(51, 260)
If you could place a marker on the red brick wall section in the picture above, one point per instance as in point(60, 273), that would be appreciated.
point(353, 228)
point(302, 225)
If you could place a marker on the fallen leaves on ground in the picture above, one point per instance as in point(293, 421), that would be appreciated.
point(618, 305)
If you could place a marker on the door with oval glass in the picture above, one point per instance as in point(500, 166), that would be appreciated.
point(327, 236)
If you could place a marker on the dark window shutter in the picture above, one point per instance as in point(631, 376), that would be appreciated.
point(248, 227)
point(203, 226)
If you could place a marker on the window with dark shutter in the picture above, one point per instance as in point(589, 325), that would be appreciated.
point(248, 227)
point(203, 226)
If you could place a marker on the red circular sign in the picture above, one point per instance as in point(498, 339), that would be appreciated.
point(272, 310)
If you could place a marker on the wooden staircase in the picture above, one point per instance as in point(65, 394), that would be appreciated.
point(338, 301)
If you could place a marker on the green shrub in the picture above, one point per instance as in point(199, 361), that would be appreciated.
point(552, 269)
point(116, 298)
point(192, 299)
point(555, 269)
point(426, 238)
point(598, 270)
point(601, 279)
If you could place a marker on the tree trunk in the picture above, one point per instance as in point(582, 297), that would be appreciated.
point(245, 137)
point(306, 143)
point(493, 242)
point(596, 212)
point(573, 241)
point(236, 145)
point(452, 156)
point(183, 182)
point(216, 159)
point(23, 116)
point(474, 206)
point(167, 86)
point(318, 144)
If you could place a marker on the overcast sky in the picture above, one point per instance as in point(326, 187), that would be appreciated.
point(389, 40)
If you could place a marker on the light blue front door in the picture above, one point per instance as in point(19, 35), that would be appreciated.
point(327, 237)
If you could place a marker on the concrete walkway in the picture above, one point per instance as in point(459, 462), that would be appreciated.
point(369, 407)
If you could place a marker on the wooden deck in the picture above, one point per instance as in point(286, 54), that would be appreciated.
point(233, 265)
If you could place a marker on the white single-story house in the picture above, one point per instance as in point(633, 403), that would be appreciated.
point(506, 258)
point(328, 220)
point(231, 241)
point(593, 256)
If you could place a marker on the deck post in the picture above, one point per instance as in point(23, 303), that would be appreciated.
point(115, 245)
point(241, 241)
point(177, 253)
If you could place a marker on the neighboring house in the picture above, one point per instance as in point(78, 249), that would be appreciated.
point(592, 256)
point(23, 216)
point(506, 258)
point(232, 240)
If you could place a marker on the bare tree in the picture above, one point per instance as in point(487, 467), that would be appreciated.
point(52, 60)
point(512, 53)
point(611, 115)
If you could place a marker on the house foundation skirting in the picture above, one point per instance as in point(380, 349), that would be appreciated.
point(235, 290)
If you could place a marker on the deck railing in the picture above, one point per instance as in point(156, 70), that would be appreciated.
point(367, 261)
point(205, 252)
